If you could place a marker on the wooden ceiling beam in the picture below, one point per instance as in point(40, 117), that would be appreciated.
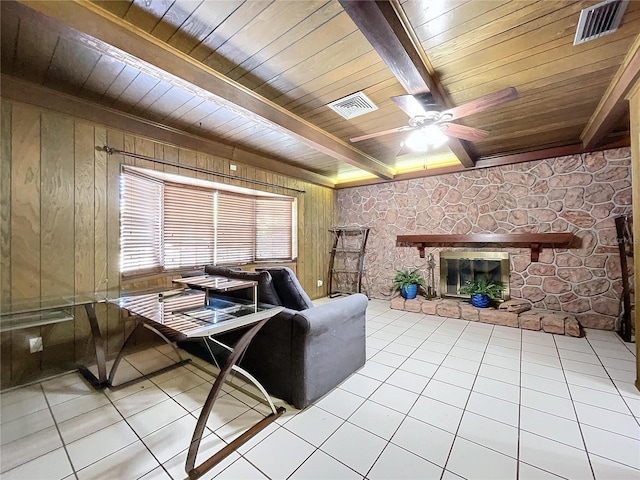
point(386, 27)
point(100, 24)
point(26, 92)
point(613, 103)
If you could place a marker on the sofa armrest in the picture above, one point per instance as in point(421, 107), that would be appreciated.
point(327, 345)
point(326, 317)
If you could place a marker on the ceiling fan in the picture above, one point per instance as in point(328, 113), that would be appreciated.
point(431, 124)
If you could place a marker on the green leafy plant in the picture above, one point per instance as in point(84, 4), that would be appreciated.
point(482, 286)
point(406, 277)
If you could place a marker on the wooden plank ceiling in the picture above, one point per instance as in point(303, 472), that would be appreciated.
point(257, 75)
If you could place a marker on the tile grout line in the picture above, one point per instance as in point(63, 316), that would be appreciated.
point(609, 377)
point(458, 367)
point(575, 412)
point(405, 414)
point(464, 409)
point(55, 422)
point(369, 398)
point(519, 421)
point(519, 410)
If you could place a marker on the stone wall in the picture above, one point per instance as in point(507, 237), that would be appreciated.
point(580, 194)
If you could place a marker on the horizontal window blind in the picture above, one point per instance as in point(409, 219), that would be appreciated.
point(140, 224)
point(167, 225)
point(235, 228)
point(274, 228)
point(188, 226)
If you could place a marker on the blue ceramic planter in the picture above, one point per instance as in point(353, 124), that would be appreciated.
point(480, 301)
point(409, 292)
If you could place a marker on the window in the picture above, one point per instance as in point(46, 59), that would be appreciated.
point(235, 229)
point(188, 226)
point(167, 225)
point(140, 224)
point(274, 223)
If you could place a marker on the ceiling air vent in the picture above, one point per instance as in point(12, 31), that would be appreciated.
point(599, 20)
point(353, 105)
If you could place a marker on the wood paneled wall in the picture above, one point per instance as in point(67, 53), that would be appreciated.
point(59, 226)
point(634, 109)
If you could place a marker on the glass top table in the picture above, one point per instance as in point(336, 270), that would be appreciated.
point(26, 305)
point(216, 284)
point(198, 315)
point(195, 313)
point(34, 312)
point(46, 310)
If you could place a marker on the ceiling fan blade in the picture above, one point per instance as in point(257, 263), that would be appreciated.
point(463, 132)
point(379, 134)
point(481, 104)
point(410, 104)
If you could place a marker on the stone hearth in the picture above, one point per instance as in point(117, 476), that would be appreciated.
point(550, 322)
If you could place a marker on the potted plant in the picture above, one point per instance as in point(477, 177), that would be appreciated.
point(407, 281)
point(482, 291)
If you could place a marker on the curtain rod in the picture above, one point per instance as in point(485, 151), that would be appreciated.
point(111, 151)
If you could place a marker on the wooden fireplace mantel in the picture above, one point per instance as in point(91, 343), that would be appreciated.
point(534, 241)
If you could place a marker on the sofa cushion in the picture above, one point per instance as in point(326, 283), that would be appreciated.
point(291, 293)
point(266, 291)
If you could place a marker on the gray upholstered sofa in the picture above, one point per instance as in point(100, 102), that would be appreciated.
point(305, 351)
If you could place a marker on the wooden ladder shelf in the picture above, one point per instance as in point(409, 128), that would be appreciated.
point(346, 265)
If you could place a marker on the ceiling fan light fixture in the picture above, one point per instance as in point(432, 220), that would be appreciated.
point(435, 136)
point(424, 138)
point(418, 141)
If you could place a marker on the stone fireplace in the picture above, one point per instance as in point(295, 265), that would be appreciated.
point(457, 268)
point(581, 194)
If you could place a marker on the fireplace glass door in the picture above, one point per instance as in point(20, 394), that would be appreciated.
point(457, 268)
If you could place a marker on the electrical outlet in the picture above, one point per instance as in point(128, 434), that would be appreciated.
point(319, 283)
point(35, 344)
point(232, 167)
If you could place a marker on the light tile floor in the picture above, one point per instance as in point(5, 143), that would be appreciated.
point(437, 399)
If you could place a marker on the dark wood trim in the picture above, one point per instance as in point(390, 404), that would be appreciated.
point(487, 162)
point(389, 32)
point(625, 245)
point(26, 92)
point(551, 152)
point(534, 241)
point(102, 25)
point(613, 103)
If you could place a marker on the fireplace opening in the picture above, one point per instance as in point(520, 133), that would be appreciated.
point(456, 268)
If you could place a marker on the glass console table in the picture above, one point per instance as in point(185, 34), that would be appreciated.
point(219, 285)
point(201, 315)
point(35, 312)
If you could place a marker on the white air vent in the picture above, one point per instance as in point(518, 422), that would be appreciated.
point(353, 105)
point(599, 20)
